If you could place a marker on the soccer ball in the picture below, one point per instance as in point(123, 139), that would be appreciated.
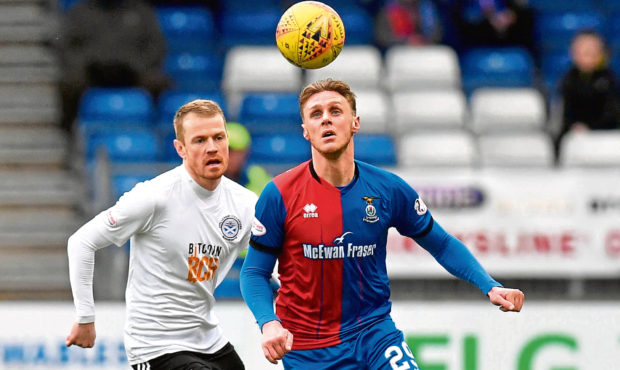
point(310, 34)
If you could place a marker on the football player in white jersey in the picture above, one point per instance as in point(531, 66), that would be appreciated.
point(185, 227)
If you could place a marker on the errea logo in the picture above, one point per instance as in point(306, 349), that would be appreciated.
point(310, 211)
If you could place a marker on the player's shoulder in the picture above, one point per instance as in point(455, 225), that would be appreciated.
point(369, 171)
point(294, 174)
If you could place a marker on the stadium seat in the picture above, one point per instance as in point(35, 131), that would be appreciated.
point(257, 68)
point(279, 148)
point(449, 149)
point(553, 66)
point(555, 30)
point(509, 150)
point(129, 145)
point(360, 66)
point(591, 149)
point(116, 105)
point(376, 149)
point(612, 33)
point(248, 4)
point(562, 5)
point(194, 70)
point(497, 67)
point(421, 68)
point(359, 25)
point(374, 109)
point(435, 109)
point(270, 112)
point(496, 109)
point(171, 100)
point(249, 26)
point(122, 183)
point(187, 28)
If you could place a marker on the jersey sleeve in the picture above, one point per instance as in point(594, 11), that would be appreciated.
point(131, 214)
point(410, 215)
point(268, 225)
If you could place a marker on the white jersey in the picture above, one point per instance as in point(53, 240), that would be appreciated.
point(184, 239)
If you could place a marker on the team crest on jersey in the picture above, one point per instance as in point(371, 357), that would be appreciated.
point(310, 211)
point(420, 207)
point(258, 229)
point(371, 211)
point(230, 227)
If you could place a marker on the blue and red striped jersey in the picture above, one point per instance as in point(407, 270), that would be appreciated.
point(331, 246)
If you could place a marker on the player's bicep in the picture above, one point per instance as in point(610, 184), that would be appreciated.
point(268, 225)
point(131, 214)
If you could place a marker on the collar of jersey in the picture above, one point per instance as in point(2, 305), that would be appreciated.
point(342, 189)
point(208, 197)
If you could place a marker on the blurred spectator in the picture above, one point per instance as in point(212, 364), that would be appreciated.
point(491, 23)
point(589, 88)
point(109, 43)
point(407, 22)
point(253, 177)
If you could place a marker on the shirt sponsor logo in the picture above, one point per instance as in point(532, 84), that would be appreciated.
point(203, 261)
point(371, 211)
point(230, 227)
point(338, 250)
point(258, 229)
point(310, 211)
point(420, 207)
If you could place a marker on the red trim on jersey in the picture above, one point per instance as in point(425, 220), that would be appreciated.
point(309, 302)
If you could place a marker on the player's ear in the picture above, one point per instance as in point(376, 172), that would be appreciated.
point(178, 145)
point(304, 132)
point(355, 125)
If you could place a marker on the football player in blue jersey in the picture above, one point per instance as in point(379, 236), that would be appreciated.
point(326, 223)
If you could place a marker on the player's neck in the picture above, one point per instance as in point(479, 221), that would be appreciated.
point(337, 171)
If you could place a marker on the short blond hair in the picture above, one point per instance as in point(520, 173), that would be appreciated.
point(203, 107)
point(329, 84)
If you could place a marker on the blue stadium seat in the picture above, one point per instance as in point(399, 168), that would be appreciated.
point(279, 148)
point(270, 112)
point(171, 100)
point(358, 25)
point(554, 65)
point(65, 5)
point(555, 30)
point(249, 4)
point(562, 5)
point(116, 105)
point(169, 152)
point(187, 28)
point(122, 183)
point(376, 149)
point(612, 33)
point(195, 70)
point(249, 27)
point(129, 145)
point(497, 67)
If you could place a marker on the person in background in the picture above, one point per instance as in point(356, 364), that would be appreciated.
point(480, 23)
point(252, 176)
point(109, 43)
point(589, 89)
point(407, 22)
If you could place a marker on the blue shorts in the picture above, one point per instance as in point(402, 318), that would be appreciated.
point(381, 346)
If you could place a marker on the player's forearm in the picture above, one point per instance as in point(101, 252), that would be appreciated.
point(454, 256)
point(255, 287)
point(81, 248)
